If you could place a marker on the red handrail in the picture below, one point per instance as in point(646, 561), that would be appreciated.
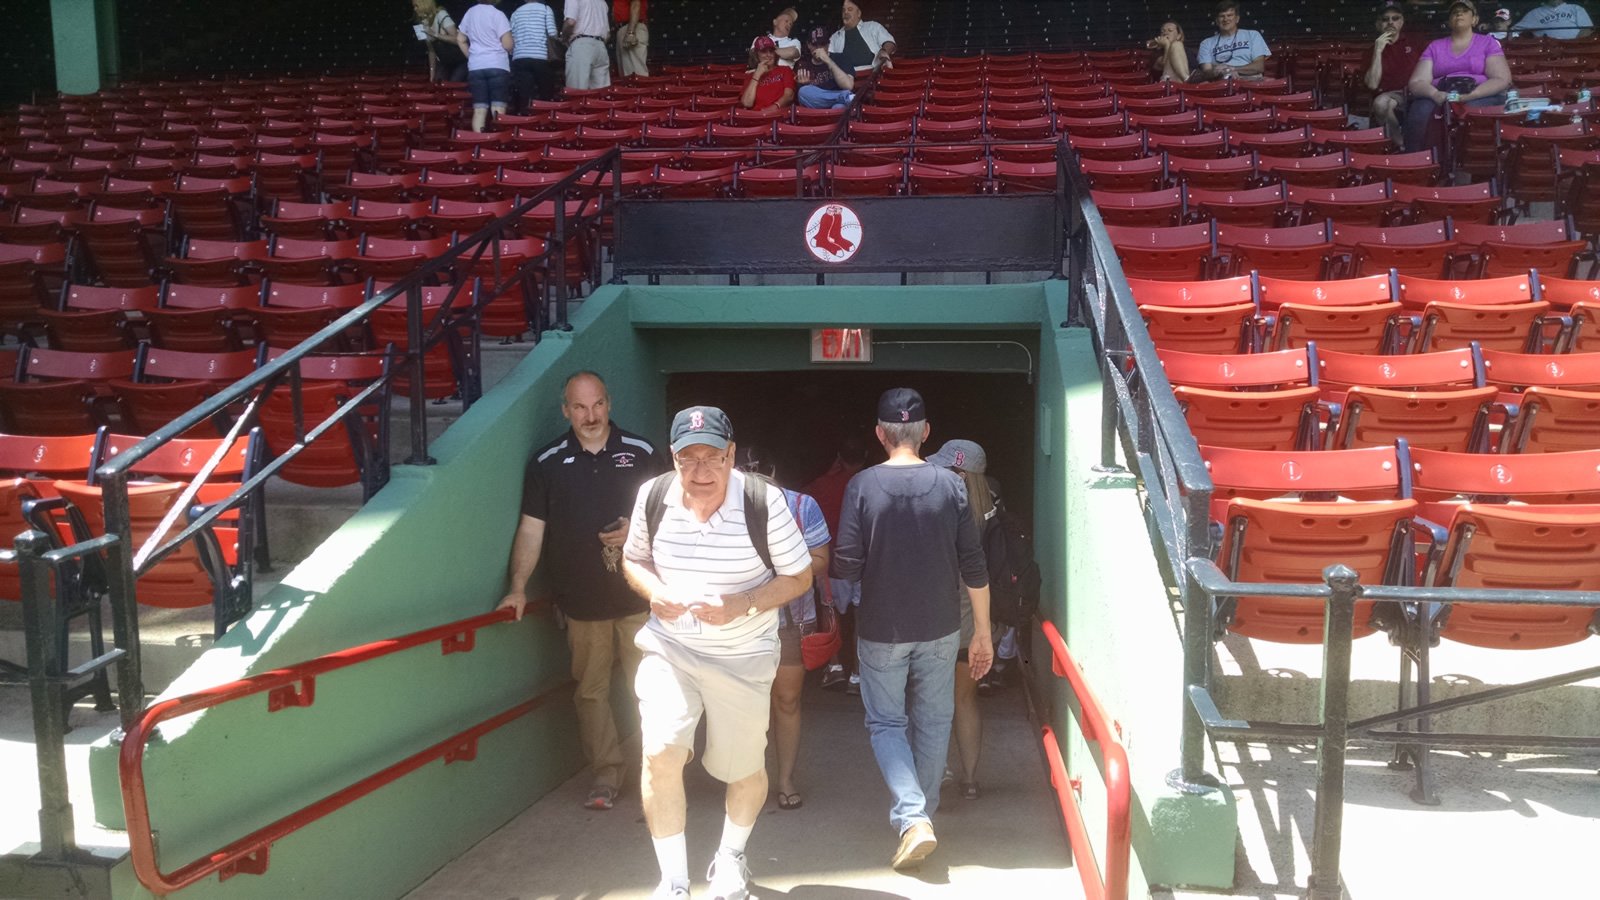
point(291, 686)
point(1097, 728)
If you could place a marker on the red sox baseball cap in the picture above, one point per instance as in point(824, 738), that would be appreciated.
point(701, 425)
point(764, 43)
point(901, 405)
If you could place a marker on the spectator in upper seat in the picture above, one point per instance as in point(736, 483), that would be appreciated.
point(532, 73)
point(446, 62)
point(1468, 64)
point(770, 86)
point(1500, 27)
point(1563, 21)
point(1174, 59)
point(585, 31)
point(788, 47)
point(861, 45)
point(633, 37)
point(1232, 52)
point(824, 84)
point(1394, 55)
point(485, 37)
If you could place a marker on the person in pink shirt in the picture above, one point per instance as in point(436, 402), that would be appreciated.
point(1465, 63)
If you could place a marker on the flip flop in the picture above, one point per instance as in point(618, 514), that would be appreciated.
point(790, 801)
point(601, 798)
point(969, 790)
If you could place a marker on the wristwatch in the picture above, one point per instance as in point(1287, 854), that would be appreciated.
point(750, 607)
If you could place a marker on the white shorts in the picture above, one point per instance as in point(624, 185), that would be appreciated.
point(675, 685)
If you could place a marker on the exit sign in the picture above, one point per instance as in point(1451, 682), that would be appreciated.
point(841, 345)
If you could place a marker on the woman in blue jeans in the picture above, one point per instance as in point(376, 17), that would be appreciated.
point(823, 84)
point(1470, 65)
point(485, 36)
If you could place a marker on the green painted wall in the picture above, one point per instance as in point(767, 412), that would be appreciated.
point(78, 34)
point(218, 775)
point(1104, 591)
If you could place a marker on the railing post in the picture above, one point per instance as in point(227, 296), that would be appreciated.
point(418, 364)
point(120, 587)
point(616, 205)
point(560, 238)
point(47, 690)
point(1328, 822)
point(1192, 776)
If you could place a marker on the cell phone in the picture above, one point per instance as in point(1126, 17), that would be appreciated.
point(620, 523)
point(422, 33)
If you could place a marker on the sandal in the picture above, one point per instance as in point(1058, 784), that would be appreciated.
point(601, 797)
point(790, 801)
point(969, 790)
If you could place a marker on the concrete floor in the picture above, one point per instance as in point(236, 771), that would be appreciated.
point(1008, 843)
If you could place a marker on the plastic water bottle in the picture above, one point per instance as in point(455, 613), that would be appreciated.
point(1453, 97)
point(1534, 114)
point(1511, 96)
point(1583, 95)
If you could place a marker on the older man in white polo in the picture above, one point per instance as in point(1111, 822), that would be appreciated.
point(716, 553)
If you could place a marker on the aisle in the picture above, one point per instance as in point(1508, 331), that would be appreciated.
point(1008, 843)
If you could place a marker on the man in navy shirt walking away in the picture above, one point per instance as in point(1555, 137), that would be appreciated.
point(906, 535)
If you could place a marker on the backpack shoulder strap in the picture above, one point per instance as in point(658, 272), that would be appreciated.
point(755, 517)
point(655, 504)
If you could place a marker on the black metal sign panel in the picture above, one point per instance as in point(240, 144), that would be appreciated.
point(860, 234)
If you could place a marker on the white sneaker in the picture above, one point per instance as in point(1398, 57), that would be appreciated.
point(666, 890)
point(729, 876)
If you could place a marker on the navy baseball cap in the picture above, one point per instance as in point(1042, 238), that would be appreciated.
point(901, 405)
point(701, 425)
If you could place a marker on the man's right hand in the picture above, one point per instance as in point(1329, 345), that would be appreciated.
point(517, 602)
point(665, 609)
point(1385, 39)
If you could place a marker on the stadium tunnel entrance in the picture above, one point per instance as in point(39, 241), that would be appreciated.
point(799, 419)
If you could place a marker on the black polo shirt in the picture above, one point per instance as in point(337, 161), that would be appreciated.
point(577, 493)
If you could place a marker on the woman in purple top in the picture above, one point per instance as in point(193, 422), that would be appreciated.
point(1466, 63)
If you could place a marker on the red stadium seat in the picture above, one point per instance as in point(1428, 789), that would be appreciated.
point(1170, 254)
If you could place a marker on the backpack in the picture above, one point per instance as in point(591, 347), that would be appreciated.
point(1014, 581)
point(755, 497)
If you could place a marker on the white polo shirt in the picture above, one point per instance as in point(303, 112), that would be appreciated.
point(712, 558)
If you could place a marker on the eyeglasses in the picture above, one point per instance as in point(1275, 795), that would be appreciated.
point(1393, 19)
point(690, 464)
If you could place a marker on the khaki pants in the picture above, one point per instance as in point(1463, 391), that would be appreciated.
point(596, 647)
point(588, 66)
point(631, 60)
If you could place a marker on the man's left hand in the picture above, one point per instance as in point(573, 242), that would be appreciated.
point(617, 536)
point(980, 655)
point(732, 608)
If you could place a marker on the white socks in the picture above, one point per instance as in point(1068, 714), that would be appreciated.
point(672, 855)
point(735, 836)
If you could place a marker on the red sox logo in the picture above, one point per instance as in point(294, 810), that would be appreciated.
point(833, 233)
point(905, 415)
point(697, 420)
point(961, 458)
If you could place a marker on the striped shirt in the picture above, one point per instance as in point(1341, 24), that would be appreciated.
point(532, 25)
point(713, 558)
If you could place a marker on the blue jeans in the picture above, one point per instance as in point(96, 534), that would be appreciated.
point(814, 97)
point(910, 748)
point(489, 87)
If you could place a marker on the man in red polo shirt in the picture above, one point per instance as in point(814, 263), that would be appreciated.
point(1394, 54)
point(633, 36)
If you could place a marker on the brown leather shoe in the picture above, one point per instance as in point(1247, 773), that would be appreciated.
point(915, 845)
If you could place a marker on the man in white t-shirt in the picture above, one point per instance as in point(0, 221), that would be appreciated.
point(788, 47)
point(1232, 52)
point(711, 643)
point(1562, 21)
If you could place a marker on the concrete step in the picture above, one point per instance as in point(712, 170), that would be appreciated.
point(1282, 682)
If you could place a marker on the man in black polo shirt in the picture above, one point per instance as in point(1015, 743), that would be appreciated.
point(582, 486)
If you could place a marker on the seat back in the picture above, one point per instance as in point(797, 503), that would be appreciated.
point(1293, 542)
point(1553, 548)
point(182, 579)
